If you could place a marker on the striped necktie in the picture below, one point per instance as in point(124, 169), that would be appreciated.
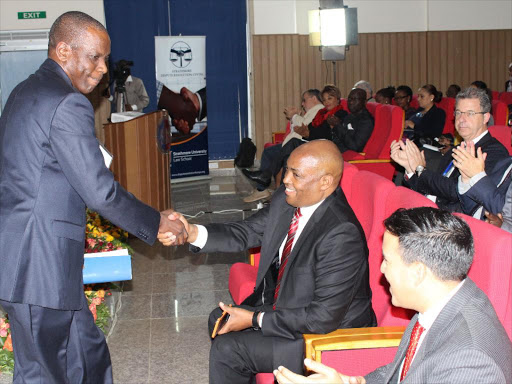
point(286, 251)
point(411, 350)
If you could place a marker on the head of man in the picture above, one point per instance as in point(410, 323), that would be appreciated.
point(356, 100)
point(80, 45)
point(331, 96)
point(313, 172)
point(472, 112)
point(426, 251)
point(366, 86)
point(310, 98)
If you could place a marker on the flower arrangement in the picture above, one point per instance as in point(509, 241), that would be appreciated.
point(95, 295)
point(6, 353)
point(101, 235)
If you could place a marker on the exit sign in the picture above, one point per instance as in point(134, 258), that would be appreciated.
point(32, 15)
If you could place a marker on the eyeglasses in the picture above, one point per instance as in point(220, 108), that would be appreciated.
point(469, 114)
point(399, 97)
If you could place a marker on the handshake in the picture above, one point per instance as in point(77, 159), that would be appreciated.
point(174, 229)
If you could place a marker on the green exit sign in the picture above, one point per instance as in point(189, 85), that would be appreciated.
point(32, 15)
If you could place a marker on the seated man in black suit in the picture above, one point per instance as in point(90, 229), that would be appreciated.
point(356, 128)
point(312, 280)
point(457, 336)
point(472, 112)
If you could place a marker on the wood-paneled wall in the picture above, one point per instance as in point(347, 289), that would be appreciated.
point(285, 65)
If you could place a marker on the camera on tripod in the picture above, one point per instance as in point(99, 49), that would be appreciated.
point(121, 73)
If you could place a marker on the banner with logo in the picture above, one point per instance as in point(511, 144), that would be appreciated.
point(181, 90)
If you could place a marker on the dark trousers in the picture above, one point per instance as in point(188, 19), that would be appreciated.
point(236, 357)
point(56, 346)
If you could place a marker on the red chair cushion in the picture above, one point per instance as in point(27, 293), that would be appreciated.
point(448, 105)
point(499, 112)
point(502, 133)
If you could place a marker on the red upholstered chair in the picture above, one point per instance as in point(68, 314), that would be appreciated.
point(278, 137)
point(506, 97)
point(344, 104)
point(448, 105)
point(499, 112)
point(389, 124)
point(502, 133)
point(495, 95)
point(491, 271)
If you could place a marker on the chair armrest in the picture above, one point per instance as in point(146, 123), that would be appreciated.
point(351, 338)
point(278, 137)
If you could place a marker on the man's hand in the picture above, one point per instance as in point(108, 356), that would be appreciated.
point(496, 220)
point(302, 130)
point(465, 160)
point(239, 319)
point(323, 375)
point(171, 229)
point(128, 107)
point(290, 111)
point(409, 124)
point(414, 156)
point(181, 125)
point(399, 156)
point(333, 121)
point(188, 95)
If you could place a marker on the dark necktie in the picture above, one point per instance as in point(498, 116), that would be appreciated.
point(286, 251)
point(411, 350)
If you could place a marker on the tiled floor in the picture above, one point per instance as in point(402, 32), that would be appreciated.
point(161, 334)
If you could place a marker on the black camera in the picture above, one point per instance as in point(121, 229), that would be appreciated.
point(121, 73)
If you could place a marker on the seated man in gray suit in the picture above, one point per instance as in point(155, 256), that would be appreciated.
point(312, 275)
point(456, 337)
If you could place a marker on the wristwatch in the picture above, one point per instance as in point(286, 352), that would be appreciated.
point(255, 320)
point(419, 170)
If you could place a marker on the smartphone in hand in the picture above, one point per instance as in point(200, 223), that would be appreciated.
point(221, 321)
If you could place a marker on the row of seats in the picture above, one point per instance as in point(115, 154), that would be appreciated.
point(506, 97)
point(373, 198)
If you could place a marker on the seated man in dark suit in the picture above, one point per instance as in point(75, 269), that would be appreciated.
point(457, 336)
point(478, 191)
point(356, 128)
point(312, 280)
point(472, 112)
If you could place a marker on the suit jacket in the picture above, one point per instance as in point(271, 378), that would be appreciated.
point(355, 138)
point(325, 284)
point(466, 344)
point(432, 181)
point(431, 124)
point(51, 168)
point(486, 193)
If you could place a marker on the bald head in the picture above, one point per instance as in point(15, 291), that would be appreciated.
point(70, 27)
point(313, 173)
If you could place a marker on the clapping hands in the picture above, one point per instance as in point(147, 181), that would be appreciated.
point(467, 162)
point(407, 155)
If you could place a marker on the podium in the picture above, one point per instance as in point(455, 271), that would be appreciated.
point(138, 164)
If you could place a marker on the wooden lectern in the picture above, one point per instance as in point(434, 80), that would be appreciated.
point(138, 165)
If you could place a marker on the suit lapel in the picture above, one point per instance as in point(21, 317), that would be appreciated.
point(310, 226)
point(400, 353)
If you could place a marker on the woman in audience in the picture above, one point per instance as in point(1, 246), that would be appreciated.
point(428, 122)
point(319, 128)
point(452, 90)
point(403, 97)
point(385, 95)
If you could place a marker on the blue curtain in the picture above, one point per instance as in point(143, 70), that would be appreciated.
point(132, 25)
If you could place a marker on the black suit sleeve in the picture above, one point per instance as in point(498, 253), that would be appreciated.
point(202, 95)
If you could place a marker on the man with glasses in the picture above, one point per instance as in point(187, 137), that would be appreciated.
point(472, 112)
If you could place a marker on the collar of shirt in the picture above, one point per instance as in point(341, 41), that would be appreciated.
point(477, 139)
point(306, 213)
point(129, 79)
point(427, 318)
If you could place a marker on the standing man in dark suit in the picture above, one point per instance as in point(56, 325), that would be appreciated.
point(457, 337)
point(312, 280)
point(51, 168)
point(472, 112)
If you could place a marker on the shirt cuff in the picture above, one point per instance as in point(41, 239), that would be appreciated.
point(134, 107)
point(475, 179)
point(409, 175)
point(202, 236)
point(462, 186)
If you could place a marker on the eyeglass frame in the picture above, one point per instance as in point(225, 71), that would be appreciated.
point(457, 114)
point(399, 97)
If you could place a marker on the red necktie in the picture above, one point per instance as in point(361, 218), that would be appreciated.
point(287, 250)
point(411, 350)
